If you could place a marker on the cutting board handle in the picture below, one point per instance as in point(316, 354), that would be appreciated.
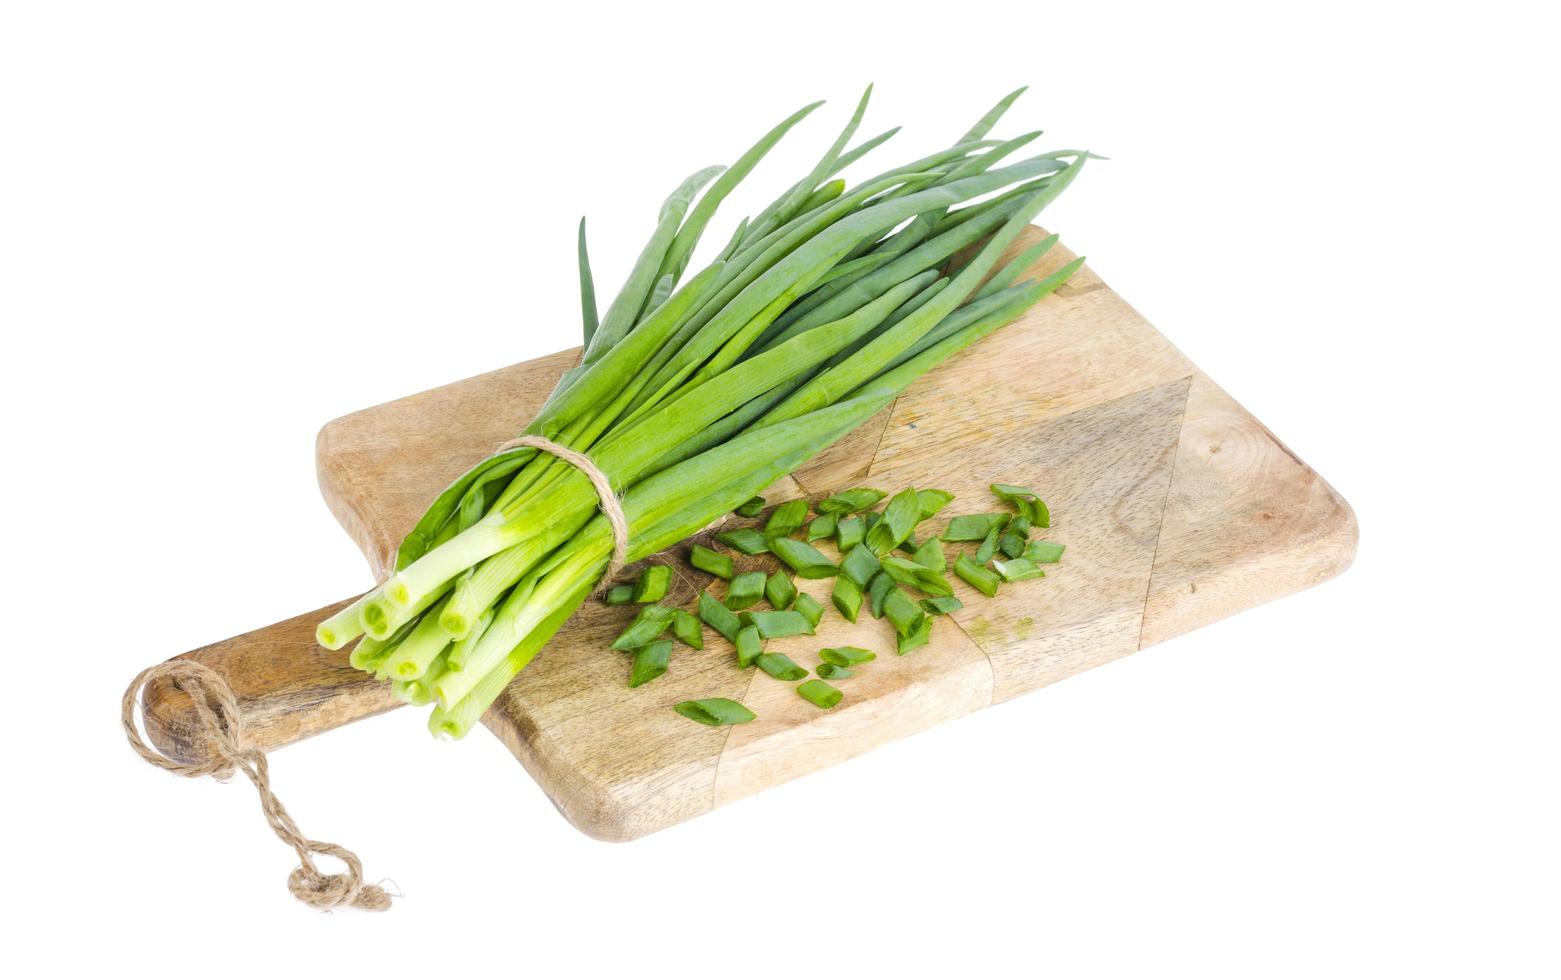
point(288, 687)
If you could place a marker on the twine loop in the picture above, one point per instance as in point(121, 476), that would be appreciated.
point(217, 708)
point(612, 507)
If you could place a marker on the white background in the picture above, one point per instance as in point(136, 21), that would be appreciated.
point(223, 224)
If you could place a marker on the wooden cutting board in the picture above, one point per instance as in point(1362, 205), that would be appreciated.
point(1177, 507)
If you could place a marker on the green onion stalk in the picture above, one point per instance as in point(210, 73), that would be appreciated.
point(693, 394)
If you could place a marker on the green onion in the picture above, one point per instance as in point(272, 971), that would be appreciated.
point(712, 561)
point(820, 693)
point(749, 646)
point(846, 656)
point(877, 591)
point(653, 583)
point(830, 672)
point(988, 545)
point(849, 532)
point(917, 638)
point(718, 617)
point(903, 612)
point(714, 711)
point(780, 589)
point(981, 578)
point(788, 518)
point(752, 507)
point(851, 501)
point(806, 560)
point(1018, 569)
point(746, 540)
point(1043, 552)
point(860, 565)
point(650, 662)
point(930, 555)
point(650, 623)
point(916, 576)
point(1028, 503)
point(899, 519)
point(587, 287)
point(810, 608)
point(941, 605)
point(971, 527)
point(1011, 544)
point(847, 597)
point(778, 623)
point(619, 595)
point(931, 501)
point(780, 667)
point(685, 626)
point(745, 590)
point(821, 527)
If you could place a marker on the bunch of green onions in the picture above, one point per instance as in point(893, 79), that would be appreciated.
point(692, 396)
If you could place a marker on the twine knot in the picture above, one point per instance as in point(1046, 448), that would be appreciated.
point(216, 706)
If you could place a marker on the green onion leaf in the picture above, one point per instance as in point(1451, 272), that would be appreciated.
point(712, 561)
point(932, 501)
point(1018, 569)
point(916, 639)
point(810, 608)
point(907, 572)
point(860, 565)
point(718, 617)
point(930, 555)
point(902, 611)
point(751, 508)
point(941, 605)
point(981, 578)
point(877, 589)
point(587, 286)
point(821, 527)
point(831, 672)
point(1044, 552)
point(846, 656)
point(746, 540)
point(899, 519)
point(619, 595)
point(775, 624)
point(787, 518)
point(749, 646)
point(820, 693)
point(714, 711)
point(780, 667)
point(1011, 544)
point(988, 546)
point(851, 501)
point(685, 626)
point(971, 527)
point(653, 583)
point(650, 623)
point(849, 532)
point(1028, 502)
point(745, 590)
point(806, 560)
point(780, 589)
point(650, 662)
point(847, 597)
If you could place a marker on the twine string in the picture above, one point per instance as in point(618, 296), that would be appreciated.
point(612, 507)
point(216, 707)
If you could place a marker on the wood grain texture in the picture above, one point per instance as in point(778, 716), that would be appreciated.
point(1177, 507)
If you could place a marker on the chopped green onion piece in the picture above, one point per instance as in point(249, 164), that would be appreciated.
point(849, 532)
point(1044, 552)
point(822, 526)
point(820, 693)
point(712, 561)
point(718, 617)
point(851, 501)
point(899, 519)
point(787, 518)
point(650, 623)
point(932, 501)
point(1011, 544)
point(1028, 502)
point(780, 667)
point(846, 656)
point(1018, 569)
point(619, 595)
point(650, 662)
point(901, 610)
point(930, 555)
point(942, 605)
point(745, 590)
point(847, 598)
point(971, 527)
point(983, 579)
point(752, 508)
point(714, 712)
point(830, 672)
point(685, 626)
point(916, 576)
point(988, 546)
point(777, 623)
point(810, 607)
point(917, 639)
point(1020, 525)
point(876, 591)
point(749, 645)
point(806, 560)
point(860, 565)
point(746, 540)
point(780, 589)
point(653, 583)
